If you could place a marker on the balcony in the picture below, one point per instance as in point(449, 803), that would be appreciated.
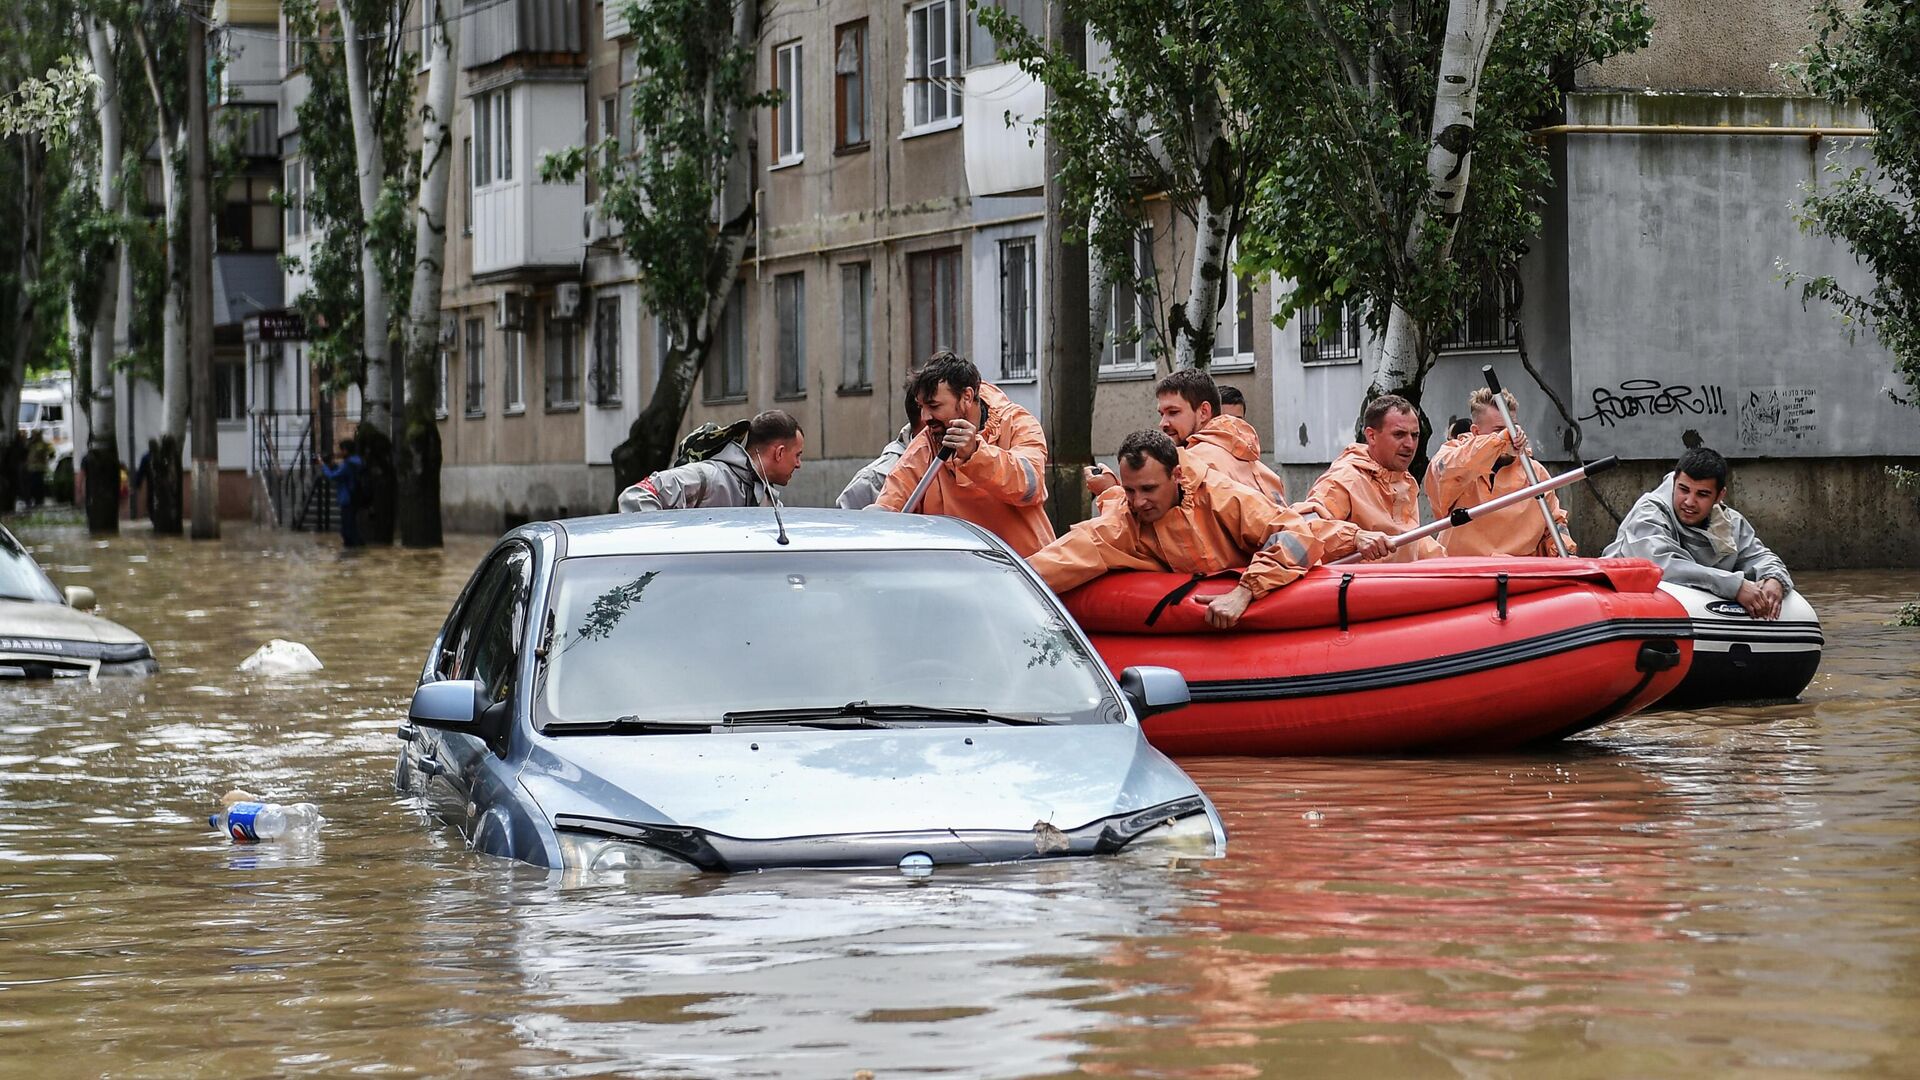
point(497, 30)
point(520, 225)
point(1002, 159)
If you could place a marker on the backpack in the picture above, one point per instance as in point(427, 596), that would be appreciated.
point(709, 439)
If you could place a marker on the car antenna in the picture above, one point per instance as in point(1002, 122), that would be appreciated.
point(758, 475)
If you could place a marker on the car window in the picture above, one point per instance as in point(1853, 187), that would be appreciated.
point(692, 637)
point(494, 641)
point(21, 577)
point(28, 411)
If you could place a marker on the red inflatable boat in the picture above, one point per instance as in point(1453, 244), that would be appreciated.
point(1444, 654)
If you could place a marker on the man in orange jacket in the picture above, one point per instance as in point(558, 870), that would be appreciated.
point(1185, 516)
point(1368, 483)
point(1189, 406)
point(1485, 462)
point(997, 476)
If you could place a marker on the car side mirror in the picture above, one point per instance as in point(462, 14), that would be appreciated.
point(81, 597)
point(461, 705)
point(1154, 690)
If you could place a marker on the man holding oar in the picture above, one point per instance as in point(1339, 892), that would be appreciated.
point(1492, 459)
point(988, 457)
point(1368, 484)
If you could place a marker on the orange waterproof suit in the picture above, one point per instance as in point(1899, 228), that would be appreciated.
point(1216, 525)
point(1359, 489)
point(1470, 469)
point(1002, 488)
point(1230, 444)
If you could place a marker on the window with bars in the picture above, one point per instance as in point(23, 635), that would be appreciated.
point(1019, 330)
point(1130, 316)
point(603, 378)
point(790, 113)
point(790, 328)
point(850, 85)
point(934, 44)
point(476, 368)
point(561, 364)
point(1492, 321)
point(856, 326)
point(1330, 334)
point(933, 294)
point(513, 372)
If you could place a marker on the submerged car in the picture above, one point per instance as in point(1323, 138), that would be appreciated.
point(48, 634)
point(721, 690)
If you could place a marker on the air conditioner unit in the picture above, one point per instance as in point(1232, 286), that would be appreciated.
point(449, 330)
point(510, 312)
point(566, 300)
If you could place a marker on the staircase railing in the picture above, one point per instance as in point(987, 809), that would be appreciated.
point(298, 495)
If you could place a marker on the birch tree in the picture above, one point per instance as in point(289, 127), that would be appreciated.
point(417, 453)
point(1409, 178)
point(110, 316)
point(160, 49)
point(681, 192)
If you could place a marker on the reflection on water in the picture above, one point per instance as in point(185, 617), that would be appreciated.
point(1676, 895)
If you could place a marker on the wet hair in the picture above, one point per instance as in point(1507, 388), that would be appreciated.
point(1231, 395)
point(1136, 448)
point(1459, 427)
point(912, 402)
point(1379, 407)
point(1703, 463)
point(774, 425)
point(1482, 398)
point(946, 366)
point(1194, 385)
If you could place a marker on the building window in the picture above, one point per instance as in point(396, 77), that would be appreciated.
point(1130, 316)
point(727, 379)
point(473, 181)
point(440, 384)
point(513, 372)
point(1019, 329)
point(294, 197)
point(791, 111)
point(1233, 326)
point(493, 138)
point(850, 85)
point(1492, 321)
point(250, 218)
point(603, 380)
point(561, 363)
point(476, 368)
point(1330, 334)
point(230, 390)
point(609, 130)
point(933, 65)
point(790, 328)
point(856, 326)
point(933, 293)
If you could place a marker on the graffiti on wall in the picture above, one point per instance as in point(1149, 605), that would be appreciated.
point(1652, 397)
point(1774, 415)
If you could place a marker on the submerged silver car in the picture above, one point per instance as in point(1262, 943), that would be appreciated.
point(48, 633)
point(719, 690)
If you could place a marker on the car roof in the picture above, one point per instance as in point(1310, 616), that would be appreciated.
point(680, 532)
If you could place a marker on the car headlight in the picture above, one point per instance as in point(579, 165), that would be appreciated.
point(605, 854)
point(1192, 836)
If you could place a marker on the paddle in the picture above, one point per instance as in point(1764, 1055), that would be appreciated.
point(920, 489)
point(1526, 460)
point(1512, 498)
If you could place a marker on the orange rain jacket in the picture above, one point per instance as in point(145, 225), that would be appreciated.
point(1217, 525)
point(1359, 489)
point(1470, 469)
point(1002, 488)
point(1230, 444)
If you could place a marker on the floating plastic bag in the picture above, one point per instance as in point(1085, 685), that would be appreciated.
point(281, 657)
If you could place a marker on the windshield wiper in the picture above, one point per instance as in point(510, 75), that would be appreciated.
point(872, 711)
point(629, 724)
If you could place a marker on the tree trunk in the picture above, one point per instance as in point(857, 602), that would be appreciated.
point(1193, 322)
point(418, 457)
point(102, 459)
point(206, 438)
point(376, 388)
point(173, 312)
point(32, 207)
point(1068, 412)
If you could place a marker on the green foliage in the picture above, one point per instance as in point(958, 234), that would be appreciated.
point(662, 180)
point(1868, 51)
point(47, 107)
point(1335, 213)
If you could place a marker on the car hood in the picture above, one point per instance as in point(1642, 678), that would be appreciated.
point(40, 619)
point(809, 782)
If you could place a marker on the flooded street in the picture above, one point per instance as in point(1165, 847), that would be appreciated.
point(1735, 893)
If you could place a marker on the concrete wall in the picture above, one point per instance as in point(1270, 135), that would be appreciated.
point(1726, 45)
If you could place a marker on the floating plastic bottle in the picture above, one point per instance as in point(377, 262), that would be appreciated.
point(248, 822)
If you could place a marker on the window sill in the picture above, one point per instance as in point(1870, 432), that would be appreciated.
point(609, 403)
point(1017, 380)
point(514, 410)
point(1331, 361)
point(1236, 366)
point(564, 407)
point(853, 148)
point(1126, 374)
point(799, 395)
point(934, 128)
point(787, 163)
point(471, 415)
point(863, 390)
point(1482, 350)
point(439, 414)
point(732, 399)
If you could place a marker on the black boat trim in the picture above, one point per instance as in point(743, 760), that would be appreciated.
point(1439, 667)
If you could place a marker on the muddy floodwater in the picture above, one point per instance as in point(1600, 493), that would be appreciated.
point(1734, 893)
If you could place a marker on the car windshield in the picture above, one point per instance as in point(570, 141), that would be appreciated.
point(21, 577)
point(695, 637)
point(29, 412)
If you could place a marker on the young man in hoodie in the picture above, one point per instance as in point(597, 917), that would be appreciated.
point(1368, 484)
point(1685, 526)
point(866, 484)
point(1484, 463)
point(997, 475)
point(736, 476)
point(1189, 405)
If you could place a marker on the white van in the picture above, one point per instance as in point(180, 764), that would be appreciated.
point(48, 408)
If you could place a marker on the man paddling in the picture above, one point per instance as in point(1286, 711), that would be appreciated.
point(1188, 402)
point(1368, 484)
point(1685, 526)
point(1485, 462)
point(1184, 516)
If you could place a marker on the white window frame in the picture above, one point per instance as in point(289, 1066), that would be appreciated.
point(1025, 336)
point(1142, 362)
point(513, 373)
point(1227, 354)
point(230, 375)
point(790, 116)
point(294, 193)
point(440, 388)
point(493, 138)
point(932, 85)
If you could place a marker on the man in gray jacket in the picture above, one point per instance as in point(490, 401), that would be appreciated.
point(866, 484)
point(1685, 527)
point(735, 476)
